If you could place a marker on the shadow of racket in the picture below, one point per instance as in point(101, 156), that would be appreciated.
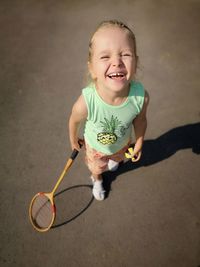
point(71, 203)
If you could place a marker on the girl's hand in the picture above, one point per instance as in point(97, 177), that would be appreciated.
point(133, 154)
point(77, 144)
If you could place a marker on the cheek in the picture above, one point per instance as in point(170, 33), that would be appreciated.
point(134, 68)
point(131, 66)
point(134, 65)
point(100, 69)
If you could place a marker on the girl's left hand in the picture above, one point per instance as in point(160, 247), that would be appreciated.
point(134, 156)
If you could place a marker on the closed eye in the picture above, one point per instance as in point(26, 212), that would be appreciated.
point(104, 57)
point(127, 55)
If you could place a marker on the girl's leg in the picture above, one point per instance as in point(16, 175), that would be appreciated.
point(98, 190)
point(97, 177)
point(96, 165)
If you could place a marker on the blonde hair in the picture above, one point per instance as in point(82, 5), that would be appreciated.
point(114, 23)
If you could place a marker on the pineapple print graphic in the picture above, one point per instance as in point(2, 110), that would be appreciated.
point(109, 136)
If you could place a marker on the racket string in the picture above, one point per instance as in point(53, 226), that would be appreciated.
point(42, 212)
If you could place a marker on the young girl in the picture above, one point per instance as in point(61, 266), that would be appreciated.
point(111, 104)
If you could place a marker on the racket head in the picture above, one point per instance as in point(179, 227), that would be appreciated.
point(42, 211)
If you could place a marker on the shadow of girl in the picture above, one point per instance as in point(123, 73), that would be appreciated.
point(161, 148)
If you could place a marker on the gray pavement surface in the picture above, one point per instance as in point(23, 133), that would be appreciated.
point(151, 217)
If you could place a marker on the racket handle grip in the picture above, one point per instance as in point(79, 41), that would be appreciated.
point(75, 152)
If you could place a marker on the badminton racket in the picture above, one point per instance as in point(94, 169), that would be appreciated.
point(42, 209)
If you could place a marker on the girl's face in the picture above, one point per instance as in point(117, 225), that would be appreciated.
point(113, 60)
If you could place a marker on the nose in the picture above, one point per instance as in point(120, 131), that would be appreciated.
point(116, 61)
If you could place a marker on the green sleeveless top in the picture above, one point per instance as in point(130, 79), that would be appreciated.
point(108, 128)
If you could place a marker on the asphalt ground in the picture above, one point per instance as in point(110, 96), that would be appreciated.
point(151, 215)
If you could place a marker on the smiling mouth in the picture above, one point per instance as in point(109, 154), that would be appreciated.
point(116, 75)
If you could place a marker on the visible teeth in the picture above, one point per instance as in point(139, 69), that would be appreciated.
point(117, 74)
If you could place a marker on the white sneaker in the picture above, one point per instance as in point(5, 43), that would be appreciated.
point(112, 165)
point(98, 190)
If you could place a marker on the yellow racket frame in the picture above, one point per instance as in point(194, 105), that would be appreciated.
point(50, 195)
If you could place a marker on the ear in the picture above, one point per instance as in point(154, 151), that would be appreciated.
point(91, 70)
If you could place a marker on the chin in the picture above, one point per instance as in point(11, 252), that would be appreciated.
point(119, 85)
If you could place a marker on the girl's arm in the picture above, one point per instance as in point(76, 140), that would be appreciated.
point(140, 125)
point(78, 114)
